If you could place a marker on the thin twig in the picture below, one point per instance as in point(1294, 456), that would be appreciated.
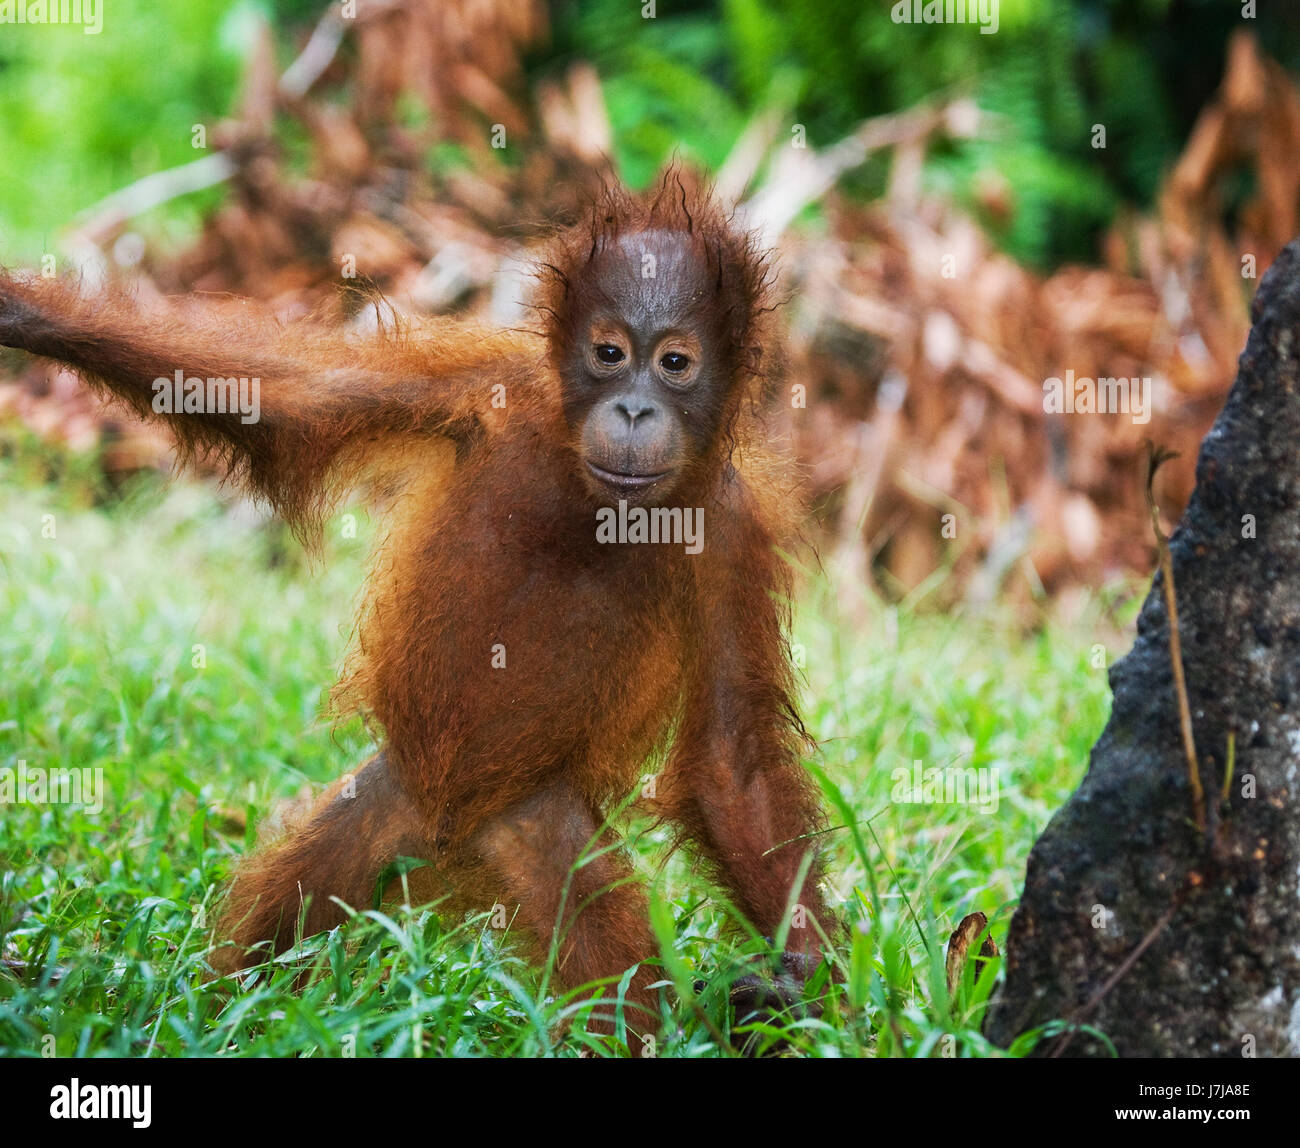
point(1115, 977)
point(311, 63)
point(1230, 768)
point(153, 190)
point(1157, 456)
point(103, 218)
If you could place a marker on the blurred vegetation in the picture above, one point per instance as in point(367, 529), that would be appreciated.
point(1143, 68)
point(81, 116)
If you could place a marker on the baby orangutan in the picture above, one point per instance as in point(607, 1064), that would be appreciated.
point(524, 645)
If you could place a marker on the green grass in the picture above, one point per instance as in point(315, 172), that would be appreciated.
point(103, 916)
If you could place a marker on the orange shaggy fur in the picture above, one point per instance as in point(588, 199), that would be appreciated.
point(501, 777)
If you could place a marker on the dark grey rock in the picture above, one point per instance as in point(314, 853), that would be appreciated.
point(1223, 977)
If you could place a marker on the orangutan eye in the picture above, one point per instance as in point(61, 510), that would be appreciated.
point(674, 362)
point(609, 354)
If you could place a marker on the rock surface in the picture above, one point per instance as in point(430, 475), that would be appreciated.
point(1222, 976)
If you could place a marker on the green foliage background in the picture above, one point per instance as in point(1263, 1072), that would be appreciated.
point(81, 116)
